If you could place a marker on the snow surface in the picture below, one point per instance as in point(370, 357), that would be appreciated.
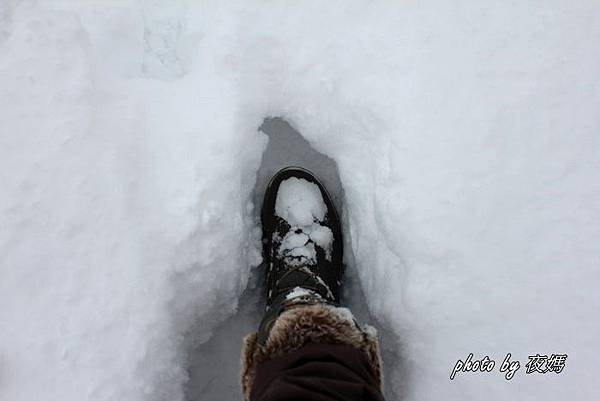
point(466, 135)
point(300, 203)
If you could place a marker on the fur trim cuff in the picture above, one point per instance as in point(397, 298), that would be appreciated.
point(296, 327)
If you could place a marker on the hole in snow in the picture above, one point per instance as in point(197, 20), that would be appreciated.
point(214, 365)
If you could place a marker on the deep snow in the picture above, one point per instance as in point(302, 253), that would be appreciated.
point(466, 135)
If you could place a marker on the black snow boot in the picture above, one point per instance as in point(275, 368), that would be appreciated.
point(302, 245)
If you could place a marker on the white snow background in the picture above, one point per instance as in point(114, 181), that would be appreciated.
point(467, 137)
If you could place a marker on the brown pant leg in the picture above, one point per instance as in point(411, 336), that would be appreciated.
point(317, 372)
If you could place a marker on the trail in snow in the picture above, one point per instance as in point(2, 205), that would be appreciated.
point(214, 365)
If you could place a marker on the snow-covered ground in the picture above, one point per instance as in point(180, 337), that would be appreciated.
point(467, 139)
